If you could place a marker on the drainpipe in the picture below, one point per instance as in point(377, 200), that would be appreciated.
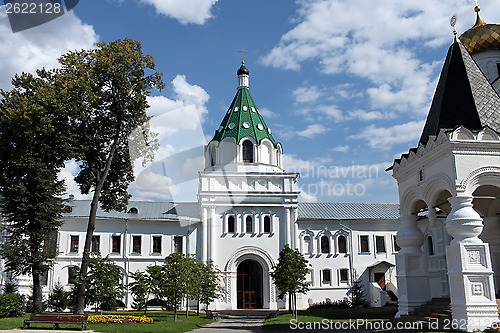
point(126, 262)
point(351, 268)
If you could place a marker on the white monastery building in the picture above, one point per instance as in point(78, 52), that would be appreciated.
point(447, 225)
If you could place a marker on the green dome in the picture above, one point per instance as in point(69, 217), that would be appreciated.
point(243, 120)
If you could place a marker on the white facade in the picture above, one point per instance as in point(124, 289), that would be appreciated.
point(343, 257)
point(248, 210)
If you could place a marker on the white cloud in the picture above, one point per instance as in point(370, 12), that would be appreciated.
point(383, 138)
point(306, 197)
point(178, 121)
point(377, 41)
point(183, 114)
point(67, 174)
point(341, 149)
point(312, 130)
point(40, 46)
point(331, 111)
point(266, 113)
point(185, 11)
point(307, 94)
point(369, 115)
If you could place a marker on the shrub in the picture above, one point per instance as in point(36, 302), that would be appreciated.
point(340, 304)
point(11, 305)
point(58, 298)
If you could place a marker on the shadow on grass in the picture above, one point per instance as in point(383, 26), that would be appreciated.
point(282, 322)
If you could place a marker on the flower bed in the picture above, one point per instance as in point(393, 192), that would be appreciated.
point(119, 319)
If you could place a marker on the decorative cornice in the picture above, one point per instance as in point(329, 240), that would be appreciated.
point(483, 141)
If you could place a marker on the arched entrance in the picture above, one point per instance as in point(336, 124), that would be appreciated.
point(249, 285)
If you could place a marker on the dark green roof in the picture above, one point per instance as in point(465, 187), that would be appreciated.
point(243, 119)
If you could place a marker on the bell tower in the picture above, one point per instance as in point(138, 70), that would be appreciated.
point(248, 202)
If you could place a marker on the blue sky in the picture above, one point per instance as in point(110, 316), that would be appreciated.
point(344, 85)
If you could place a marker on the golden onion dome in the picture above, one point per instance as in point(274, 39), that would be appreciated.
point(482, 36)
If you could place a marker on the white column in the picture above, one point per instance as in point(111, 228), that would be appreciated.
point(470, 273)
point(214, 223)
point(237, 222)
point(491, 235)
point(412, 275)
point(295, 237)
point(287, 226)
point(204, 236)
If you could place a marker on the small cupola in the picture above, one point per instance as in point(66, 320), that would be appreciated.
point(243, 76)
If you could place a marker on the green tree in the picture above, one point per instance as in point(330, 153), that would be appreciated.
point(58, 298)
point(191, 282)
point(109, 86)
point(140, 288)
point(104, 281)
point(156, 281)
point(33, 147)
point(208, 286)
point(289, 276)
point(176, 272)
point(11, 285)
point(356, 291)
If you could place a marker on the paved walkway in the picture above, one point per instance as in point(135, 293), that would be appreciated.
point(244, 321)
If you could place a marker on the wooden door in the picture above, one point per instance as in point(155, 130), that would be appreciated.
point(380, 279)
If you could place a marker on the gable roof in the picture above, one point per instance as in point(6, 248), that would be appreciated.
point(463, 97)
point(347, 211)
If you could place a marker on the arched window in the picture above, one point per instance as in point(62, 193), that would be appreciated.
point(230, 224)
point(430, 246)
point(247, 151)
point(307, 245)
point(249, 224)
point(267, 224)
point(325, 244)
point(342, 244)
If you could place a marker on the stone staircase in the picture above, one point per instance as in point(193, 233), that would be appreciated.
point(438, 310)
point(390, 298)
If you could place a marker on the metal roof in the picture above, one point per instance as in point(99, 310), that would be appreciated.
point(347, 211)
point(146, 210)
point(190, 211)
point(243, 119)
point(463, 97)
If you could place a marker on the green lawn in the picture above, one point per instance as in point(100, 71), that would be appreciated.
point(282, 322)
point(163, 322)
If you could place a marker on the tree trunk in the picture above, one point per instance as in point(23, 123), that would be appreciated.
point(295, 305)
point(290, 302)
point(187, 307)
point(198, 307)
point(37, 294)
point(80, 298)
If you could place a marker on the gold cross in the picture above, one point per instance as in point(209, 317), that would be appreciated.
point(243, 51)
point(476, 2)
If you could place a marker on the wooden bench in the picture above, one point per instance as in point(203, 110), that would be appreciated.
point(212, 315)
point(56, 319)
